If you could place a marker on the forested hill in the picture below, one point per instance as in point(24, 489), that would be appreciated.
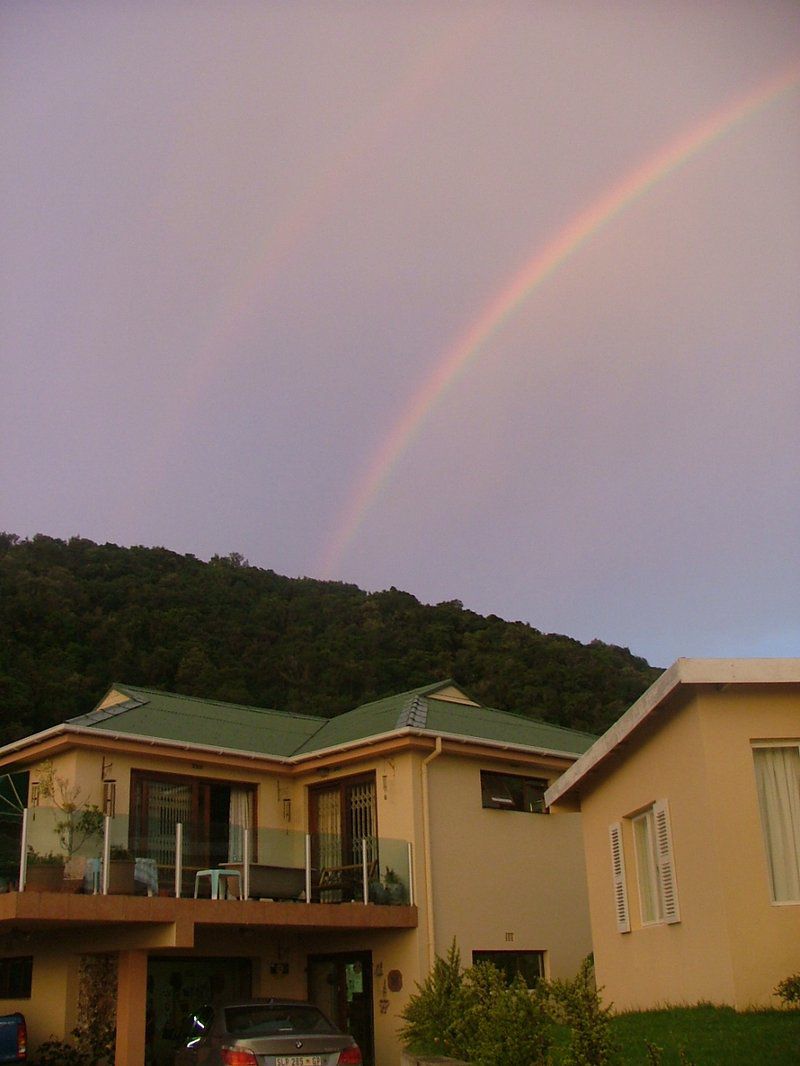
point(75, 616)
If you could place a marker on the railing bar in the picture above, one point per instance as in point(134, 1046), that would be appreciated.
point(178, 858)
point(410, 874)
point(106, 854)
point(364, 869)
point(308, 867)
point(246, 859)
point(23, 856)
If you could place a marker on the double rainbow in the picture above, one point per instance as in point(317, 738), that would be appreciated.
point(544, 262)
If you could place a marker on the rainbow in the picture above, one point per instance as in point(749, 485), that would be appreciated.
point(544, 262)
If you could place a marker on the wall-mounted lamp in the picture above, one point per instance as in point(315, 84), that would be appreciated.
point(287, 809)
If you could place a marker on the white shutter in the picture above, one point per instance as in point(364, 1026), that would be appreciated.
point(618, 871)
point(666, 863)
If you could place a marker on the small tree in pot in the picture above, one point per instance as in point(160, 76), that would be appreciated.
point(76, 823)
point(121, 869)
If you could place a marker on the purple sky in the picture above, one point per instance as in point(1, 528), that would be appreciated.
point(238, 237)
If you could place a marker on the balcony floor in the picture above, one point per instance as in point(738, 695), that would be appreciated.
point(177, 918)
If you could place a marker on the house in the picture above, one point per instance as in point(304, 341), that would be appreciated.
point(362, 845)
point(690, 806)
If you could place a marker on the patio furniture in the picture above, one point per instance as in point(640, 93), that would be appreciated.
point(347, 879)
point(218, 880)
point(272, 882)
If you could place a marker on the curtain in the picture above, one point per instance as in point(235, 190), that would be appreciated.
point(240, 822)
point(778, 786)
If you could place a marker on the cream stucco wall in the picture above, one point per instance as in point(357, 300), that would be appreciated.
point(731, 944)
point(504, 880)
point(493, 874)
point(51, 1009)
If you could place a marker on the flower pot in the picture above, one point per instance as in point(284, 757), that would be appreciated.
point(44, 877)
point(120, 877)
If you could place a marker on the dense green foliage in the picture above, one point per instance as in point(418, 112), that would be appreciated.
point(789, 990)
point(576, 1004)
point(75, 616)
point(474, 1015)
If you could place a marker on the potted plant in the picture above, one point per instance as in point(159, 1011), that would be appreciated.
point(121, 869)
point(377, 892)
point(393, 887)
point(45, 873)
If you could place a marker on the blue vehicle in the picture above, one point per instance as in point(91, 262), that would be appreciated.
point(13, 1038)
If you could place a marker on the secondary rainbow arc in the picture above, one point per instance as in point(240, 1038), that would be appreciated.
point(545, 260)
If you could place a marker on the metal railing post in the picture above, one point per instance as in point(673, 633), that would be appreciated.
point(106, 854)
point(308, 867)
point(23, 855)
point(365, 883)
point(410, 874)
point(246, 864)
point(178, 858)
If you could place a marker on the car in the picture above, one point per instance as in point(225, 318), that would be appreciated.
point(13, 1038)
point(265, 1032)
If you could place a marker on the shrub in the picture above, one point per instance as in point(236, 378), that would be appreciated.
point(57, 1053)
point(475, 1015)
point(433, 1014)
point(789, 989)
point(503, 1025)
point(577, 1004)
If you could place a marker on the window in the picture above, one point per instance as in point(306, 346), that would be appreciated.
point(214, 815)
point(342, 818)
point(528, 964)
point(778, 789)
point(512, 792)
point(647, 868)
point(15, 977)
point(655, 872)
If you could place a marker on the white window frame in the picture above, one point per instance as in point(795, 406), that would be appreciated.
point(776, 898)
point(655, 865)
point(644, 850)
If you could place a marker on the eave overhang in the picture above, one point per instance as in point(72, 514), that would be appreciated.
point(62, 737)
point(683, 673)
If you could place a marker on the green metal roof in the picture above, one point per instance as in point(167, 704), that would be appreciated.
point(372, 719)
point(212, 723)
point(484, 723)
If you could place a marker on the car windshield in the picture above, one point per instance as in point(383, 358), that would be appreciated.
point(275, 1020)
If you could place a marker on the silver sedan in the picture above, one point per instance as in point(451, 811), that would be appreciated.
point(266, 1032)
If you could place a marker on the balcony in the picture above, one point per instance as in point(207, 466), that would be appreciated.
point(99, 869)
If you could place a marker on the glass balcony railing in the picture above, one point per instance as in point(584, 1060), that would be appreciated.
point(155, 856)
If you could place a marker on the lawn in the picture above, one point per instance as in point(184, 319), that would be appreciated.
point(709, 1036)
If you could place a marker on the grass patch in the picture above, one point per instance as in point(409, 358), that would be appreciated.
point(709, 1036)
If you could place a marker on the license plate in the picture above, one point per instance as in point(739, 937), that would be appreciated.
point(298, 1060)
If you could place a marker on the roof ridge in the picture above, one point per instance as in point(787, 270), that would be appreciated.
point(126, 689)
point(102, 714)
point(414, 714)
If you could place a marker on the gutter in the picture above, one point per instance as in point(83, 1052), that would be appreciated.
point(415, 731)
point(148, 741)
